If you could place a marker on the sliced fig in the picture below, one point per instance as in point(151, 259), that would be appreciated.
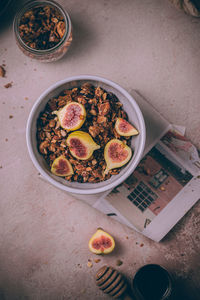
point(124, 128)
point(81, 145)
point(116, 154)
point(61, 167)
point(71, 116)
point(101, 242)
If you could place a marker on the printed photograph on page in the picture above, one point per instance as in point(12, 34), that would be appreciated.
point(155, 182)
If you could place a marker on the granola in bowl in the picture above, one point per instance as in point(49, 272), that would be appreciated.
point(81, 153)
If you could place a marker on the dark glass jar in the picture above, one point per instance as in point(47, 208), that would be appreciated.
point(44, 55)
point(152, 282)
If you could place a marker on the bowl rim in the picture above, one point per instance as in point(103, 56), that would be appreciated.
point(118, 180)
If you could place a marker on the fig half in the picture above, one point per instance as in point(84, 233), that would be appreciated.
point(71, 116)
point(116, 154)
point(81, 145)
point(124, 128)
point(62, 167)
point(101, 242)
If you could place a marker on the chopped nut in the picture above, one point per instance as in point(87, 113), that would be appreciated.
point(61, 103)
point(2, 71)
point(52, 148)
point(162, 188)
point(117, 136)
point(54, 20)
point(119, 104)
point(101, 119)
point(93, 112)
point(81, 99)
point(97, 260)
point(104, 108)
point(98, 92)
point(52, 123)
point(94, 131)
point(104, 96)
point(94, 162)
point(119, 262)
point(43, 147)
point(60, 29)
point(88, 169)
point(48, 135)
point(57, 125)
point(68, 178)
point(63, 133)
point(91, 179)
point(89, 264)
point(8, 85)
point(63, 145)
point(75, 177)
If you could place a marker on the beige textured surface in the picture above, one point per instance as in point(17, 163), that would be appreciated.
point(144, 45)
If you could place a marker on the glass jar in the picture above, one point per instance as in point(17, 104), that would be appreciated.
point(152, 282)
point(53, 53)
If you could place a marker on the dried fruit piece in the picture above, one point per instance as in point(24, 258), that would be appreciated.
point(116, 154)
point(124, 128)
point(101, 242)
point(81, 145)
point(71, 116)
point(61, 167)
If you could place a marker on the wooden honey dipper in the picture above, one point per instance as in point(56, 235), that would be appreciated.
point(111, 282)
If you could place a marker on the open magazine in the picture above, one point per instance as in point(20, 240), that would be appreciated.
point(165, 184)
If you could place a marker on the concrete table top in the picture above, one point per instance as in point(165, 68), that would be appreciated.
point(144, 45)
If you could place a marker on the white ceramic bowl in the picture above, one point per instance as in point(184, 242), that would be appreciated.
point(134, 114)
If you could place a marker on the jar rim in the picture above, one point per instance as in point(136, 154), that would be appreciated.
point(31, 4)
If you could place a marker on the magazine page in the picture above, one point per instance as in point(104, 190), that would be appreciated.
point(155, 196)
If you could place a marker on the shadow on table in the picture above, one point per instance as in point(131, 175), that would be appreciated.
point(182, 291)
point(84, 41)
point(8, 11)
